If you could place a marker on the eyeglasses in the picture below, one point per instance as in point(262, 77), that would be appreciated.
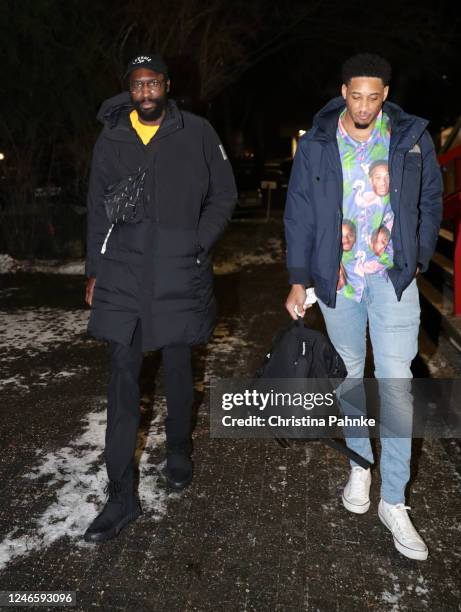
point(152, 85)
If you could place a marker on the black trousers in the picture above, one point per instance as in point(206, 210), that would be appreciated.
point(123, 403)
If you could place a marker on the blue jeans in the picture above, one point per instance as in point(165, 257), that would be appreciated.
point(393, 330)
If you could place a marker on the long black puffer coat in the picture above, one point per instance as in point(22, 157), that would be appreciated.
point(158, 270)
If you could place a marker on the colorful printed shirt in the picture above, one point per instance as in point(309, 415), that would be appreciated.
point(367, 214)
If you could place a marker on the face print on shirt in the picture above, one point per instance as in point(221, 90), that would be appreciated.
point(349, 235)
point(379, 177)
point(379, 240)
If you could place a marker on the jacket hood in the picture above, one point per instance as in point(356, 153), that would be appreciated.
point(113, 114)
point(110, 109)
point(326, 120)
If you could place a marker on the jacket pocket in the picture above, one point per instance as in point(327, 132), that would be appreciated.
point(411, 182)
point(203, 279)
point(413, 161)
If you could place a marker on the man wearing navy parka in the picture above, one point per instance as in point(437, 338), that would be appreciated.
point(363, 212)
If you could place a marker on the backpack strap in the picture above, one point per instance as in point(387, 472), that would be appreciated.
point(342, 448)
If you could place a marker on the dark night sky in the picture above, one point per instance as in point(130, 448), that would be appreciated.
point(62, 52)
point(294, 83)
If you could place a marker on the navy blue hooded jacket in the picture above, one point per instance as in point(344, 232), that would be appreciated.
point(313, 214)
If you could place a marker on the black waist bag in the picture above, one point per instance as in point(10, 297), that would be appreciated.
point(123, 200)
point(300, 352)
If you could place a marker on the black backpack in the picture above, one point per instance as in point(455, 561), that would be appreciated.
point(300, 352)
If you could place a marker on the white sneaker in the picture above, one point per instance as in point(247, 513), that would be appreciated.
point(356, 494)
point(406, 539)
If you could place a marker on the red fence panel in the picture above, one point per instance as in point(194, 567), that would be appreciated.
point(450, 162)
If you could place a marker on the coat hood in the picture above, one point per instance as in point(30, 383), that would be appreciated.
point(326, 120)
point(110, 109)
point(114, 115)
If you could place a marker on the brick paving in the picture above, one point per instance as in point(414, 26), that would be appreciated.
point(261, 528)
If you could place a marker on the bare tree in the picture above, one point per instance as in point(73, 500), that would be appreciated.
point(219, 40)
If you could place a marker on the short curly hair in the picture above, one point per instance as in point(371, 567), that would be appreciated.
point(366, 65)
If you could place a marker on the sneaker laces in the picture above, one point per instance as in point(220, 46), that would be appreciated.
point(402, 521)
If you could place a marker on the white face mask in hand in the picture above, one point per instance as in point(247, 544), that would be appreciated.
point(310, 299)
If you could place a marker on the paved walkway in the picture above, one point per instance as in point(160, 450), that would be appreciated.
point(261, 528)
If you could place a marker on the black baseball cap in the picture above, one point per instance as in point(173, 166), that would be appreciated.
point(151, 61)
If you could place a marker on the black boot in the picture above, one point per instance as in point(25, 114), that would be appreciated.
point(178, 469)
point(121, 508)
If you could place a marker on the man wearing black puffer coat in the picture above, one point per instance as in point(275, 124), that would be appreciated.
point(150, 276)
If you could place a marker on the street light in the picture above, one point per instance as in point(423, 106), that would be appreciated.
point(294, 142)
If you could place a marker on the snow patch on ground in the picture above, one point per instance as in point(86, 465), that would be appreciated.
point(418, 587)
point(34, 330)
point(396, 595)
point(55, 267)
point(17, 381)
point(75, 474)
point(8, 292)
point(79, 473)
point(9, 265)
point(225, 343)
point(28, 332)
point(273, 253)
point(39, 379)
point(432, 364)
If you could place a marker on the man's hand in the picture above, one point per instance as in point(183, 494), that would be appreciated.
point(418, 270)
point(89, 290)
point(296, 297)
